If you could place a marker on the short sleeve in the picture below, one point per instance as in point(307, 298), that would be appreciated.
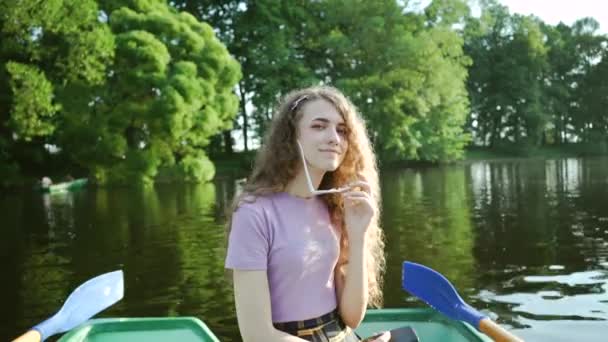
point(248, 242)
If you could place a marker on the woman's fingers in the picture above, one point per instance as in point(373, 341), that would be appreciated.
point(385, 337)
point(363, 185)
point(355, 193)
point(356, 197)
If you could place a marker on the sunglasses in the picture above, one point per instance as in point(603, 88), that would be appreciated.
point(311, 188)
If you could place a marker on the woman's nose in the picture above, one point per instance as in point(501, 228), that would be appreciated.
point(334, 136)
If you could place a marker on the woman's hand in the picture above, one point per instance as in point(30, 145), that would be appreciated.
point(358, 210)
point(382, 337)
point(385, 337)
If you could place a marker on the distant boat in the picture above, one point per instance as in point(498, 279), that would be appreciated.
point(65, 186)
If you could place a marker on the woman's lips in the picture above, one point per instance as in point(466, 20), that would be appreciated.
point(331, 152)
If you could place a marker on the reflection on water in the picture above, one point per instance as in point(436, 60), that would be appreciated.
point(524, 241)
point(576, 295)
point(542, 246)
point(426, 219)
point(169, 241)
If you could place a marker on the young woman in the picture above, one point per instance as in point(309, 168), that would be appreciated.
point(307, 260)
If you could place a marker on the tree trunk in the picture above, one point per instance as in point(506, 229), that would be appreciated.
point(227, 141)
point(495, 133)
point(242, 93)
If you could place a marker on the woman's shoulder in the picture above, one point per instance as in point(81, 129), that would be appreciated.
point(258, 210)
point(274, 204)
point(257, 202)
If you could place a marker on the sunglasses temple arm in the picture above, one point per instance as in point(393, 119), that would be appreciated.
point(308, 180)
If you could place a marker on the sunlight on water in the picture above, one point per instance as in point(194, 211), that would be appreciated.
point(559, 291)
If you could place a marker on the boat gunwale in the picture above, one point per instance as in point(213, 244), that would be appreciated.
point(76, 334)
point(421, 314)
point(371, 316)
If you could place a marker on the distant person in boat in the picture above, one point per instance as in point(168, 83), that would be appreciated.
point(46, 182)
point(304, 246)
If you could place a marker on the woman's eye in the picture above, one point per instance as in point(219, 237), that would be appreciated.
point(317, 126)
point(342, 131)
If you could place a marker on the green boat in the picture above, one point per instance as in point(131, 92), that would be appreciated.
point(429, 325)
point(153, 329)
point(65, 186)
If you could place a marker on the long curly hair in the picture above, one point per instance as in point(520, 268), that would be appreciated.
point(278, 161)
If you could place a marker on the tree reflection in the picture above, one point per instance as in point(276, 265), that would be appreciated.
point(426, 220)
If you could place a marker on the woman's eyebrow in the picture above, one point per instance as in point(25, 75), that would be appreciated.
point(327, 121)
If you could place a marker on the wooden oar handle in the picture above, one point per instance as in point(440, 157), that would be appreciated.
point(496, 332)
point(30, 336)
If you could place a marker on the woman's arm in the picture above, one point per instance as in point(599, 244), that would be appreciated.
point(351, 285)
point(358, 213)
point(252, 299)
point(352, 292)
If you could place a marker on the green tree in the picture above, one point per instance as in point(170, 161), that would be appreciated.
point(386, 61)
point(594, 105)
point(589, 115)
point(506, 78)
point(170, 89)
point(533, 84)
point(406, 73)
point(47, 50)
point(575, 54)
point(267, 38)
point(560, 78)
point(130, 91)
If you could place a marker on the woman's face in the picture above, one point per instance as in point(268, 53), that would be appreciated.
point(322, 133)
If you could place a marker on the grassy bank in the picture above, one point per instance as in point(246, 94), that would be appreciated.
point(239, 164)
point(544, 152)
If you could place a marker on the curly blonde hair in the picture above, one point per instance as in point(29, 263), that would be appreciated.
point(278, 161)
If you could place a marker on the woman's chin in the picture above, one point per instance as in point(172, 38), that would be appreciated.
point(327, 165)
point(331, 167)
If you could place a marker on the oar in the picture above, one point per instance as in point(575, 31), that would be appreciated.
point(83, 303)
point(434, 289)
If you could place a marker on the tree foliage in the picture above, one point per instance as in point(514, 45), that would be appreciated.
point(532, 84)
point(132, 91)
point(128, 90)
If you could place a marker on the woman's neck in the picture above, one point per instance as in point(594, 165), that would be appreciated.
point(298, 186)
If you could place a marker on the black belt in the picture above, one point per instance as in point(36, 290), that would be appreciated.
point(309, 323)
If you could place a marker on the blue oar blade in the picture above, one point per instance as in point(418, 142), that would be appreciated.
point(83, 303)
point(434, 289)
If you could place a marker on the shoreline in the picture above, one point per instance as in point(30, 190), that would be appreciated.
point(239, 164)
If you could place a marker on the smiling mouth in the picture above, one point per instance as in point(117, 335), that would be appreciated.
point(331, 151)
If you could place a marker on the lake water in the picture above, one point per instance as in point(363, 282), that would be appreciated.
point(525, 241)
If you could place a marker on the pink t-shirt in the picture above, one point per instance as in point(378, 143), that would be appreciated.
point(292, 239)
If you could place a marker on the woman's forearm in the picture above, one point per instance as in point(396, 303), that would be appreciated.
point(354, 297)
